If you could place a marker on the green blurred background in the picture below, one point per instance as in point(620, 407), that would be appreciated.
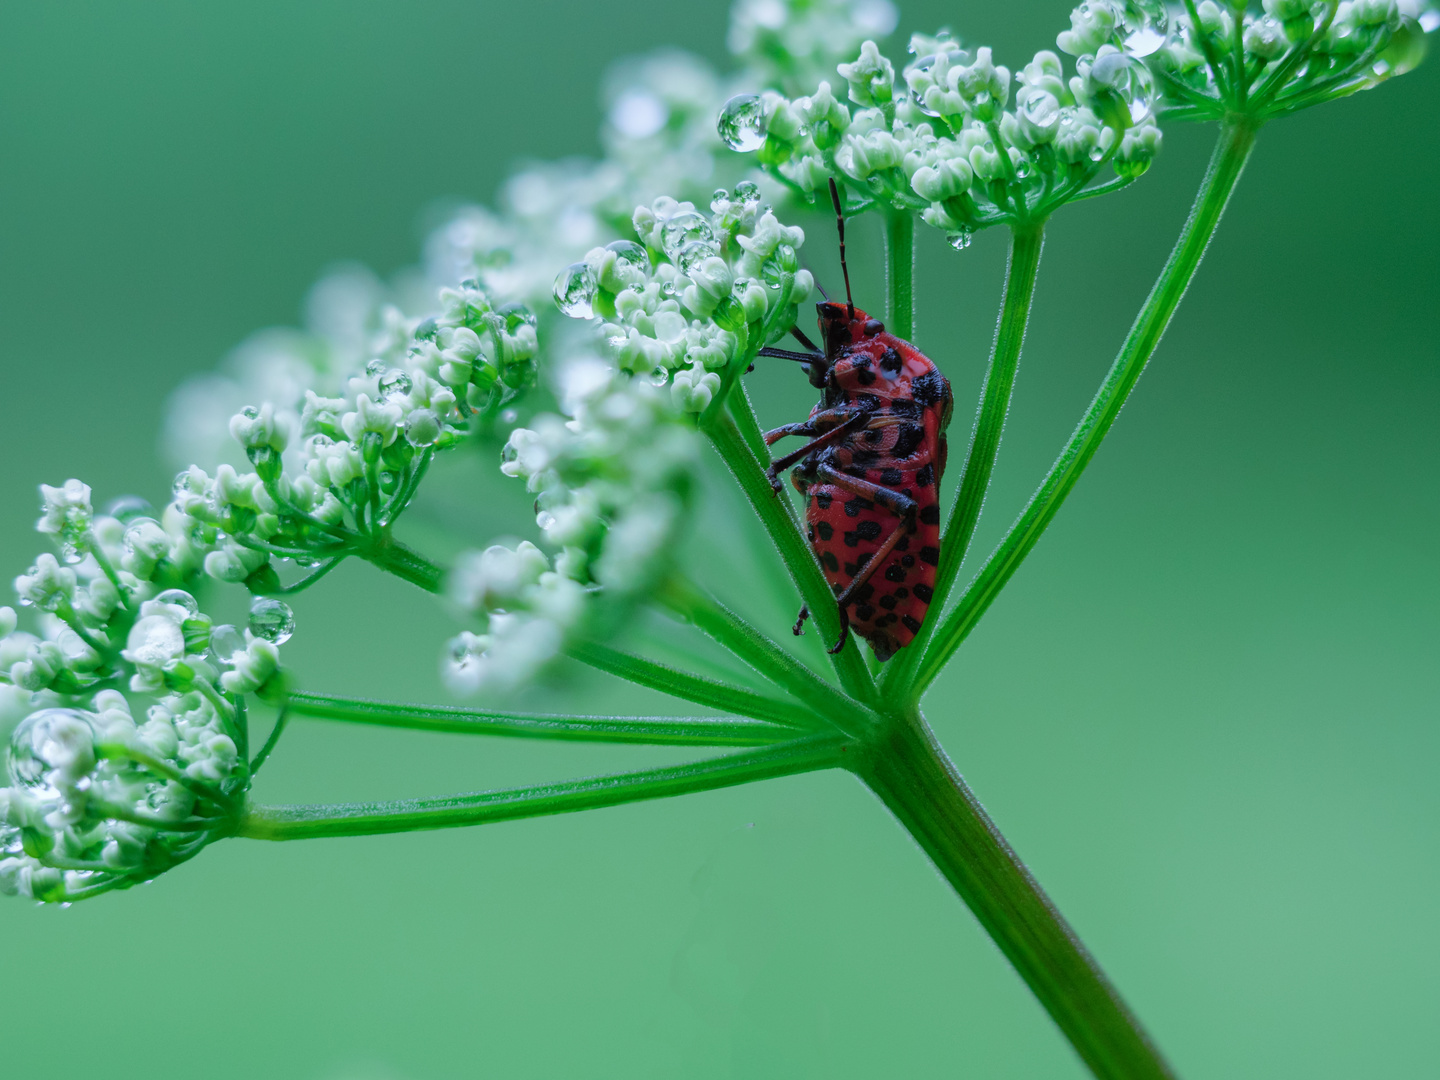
point(1205, 712)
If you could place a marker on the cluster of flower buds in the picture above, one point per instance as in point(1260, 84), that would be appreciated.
point(127, 703)
point(612, 486)
point(330, 473)
point(695, 296)
point(961, 139)
point(791, 44)
point(1290, 55)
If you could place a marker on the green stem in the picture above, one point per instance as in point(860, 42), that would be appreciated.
point(900, 273)
point(409, 815)
point(394, 557)
point(778, 517)
point(1025, 245)
point(1232, 151)
point(652, 730)
point(714, 619)
point(690, 687)
point(913, 777)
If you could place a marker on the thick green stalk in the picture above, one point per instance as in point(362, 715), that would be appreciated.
point(697, 688)
point(652, 730)
point(394, 557)
point(911, 774)
point(1237, 139)
point(410, 815)
point(900, 273)
point(714, 619)
point(1026, 242)
point(778, 517)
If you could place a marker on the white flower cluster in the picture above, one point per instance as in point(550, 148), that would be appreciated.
point(1363, 44)
point(948, 142)
point(697, 294)
point(612, 486)
point(791, 44)
point(97, 796)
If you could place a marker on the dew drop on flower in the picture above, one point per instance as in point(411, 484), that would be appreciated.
point(180, 598)
point(226, 641)
point(427, 329)
point(1096, 153)
point(375, 367)
point(575, 291)
point(747, 191)
point(128, 507)
point(394, 384)
point(682, 229)
point(693, 254)
point(250, 412)
point(1145, 24)
point(272, 620)
point(660, 376)
point(742, 123)
point(961, 240)
point(719, 200)
point(632, 253)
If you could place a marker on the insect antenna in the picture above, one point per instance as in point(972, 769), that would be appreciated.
point(840, 227)
point(800, 337)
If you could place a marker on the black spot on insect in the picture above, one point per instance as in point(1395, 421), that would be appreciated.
point(864, 376)
point(864, 593)
point(928, 388)
point(906, 410)
point(887, 620)
point(925, 476)
point(874, 435)
point(864, 612)
point(908, 439)
point(930, 555)
point(822, 501)
point(831, 563)
point(810, 534)
point(888, 602)
point(864, 457)
point(907, 561)
point(852, 539)
point(891, 477)
point(868, 530)
point(903, 544)
point(924, 593)
point(854, 506)
point(930, 515)
point(825, 529)
point(866, 402)
point(891, 361)
point(894, 572)
point(859, 472)
point(911, 623)
point(873, 327)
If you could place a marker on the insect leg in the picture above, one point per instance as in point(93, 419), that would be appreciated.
point(815, 425)
point(901, 505)
point(779, 465)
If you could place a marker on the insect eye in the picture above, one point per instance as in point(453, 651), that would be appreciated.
point(873, 327)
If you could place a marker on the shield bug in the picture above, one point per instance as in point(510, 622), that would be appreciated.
point(871, 469)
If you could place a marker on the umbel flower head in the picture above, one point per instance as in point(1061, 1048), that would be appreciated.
point(125, 706)
point(1288, 56)
point(957, 136)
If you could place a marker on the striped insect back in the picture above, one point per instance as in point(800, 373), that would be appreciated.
point(871, 469)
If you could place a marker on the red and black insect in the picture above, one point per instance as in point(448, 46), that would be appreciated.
point(871, 470)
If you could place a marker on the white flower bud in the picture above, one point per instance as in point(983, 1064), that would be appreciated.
point(871, 77)
point(254, 428)
point(48, 585)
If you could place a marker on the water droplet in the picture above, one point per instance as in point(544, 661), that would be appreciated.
point(961, 240)
point(719, 199)
point(226, 641)
point(510, 416)
point(1096, 153)
point(180, 598)
point(516, 315)
point(127, 507)
point(684, 228)
point(747, 191)
point(660, 376)
point(427, 329)
point(742, 123)
point(1144, 41)
point(575, 291)
point(693, 254)
point(632, 253)
point(394, 384)
point(1145, 24)
point(389, 481)
point(272, 620)
point(375, 367)
point(1023, 168)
